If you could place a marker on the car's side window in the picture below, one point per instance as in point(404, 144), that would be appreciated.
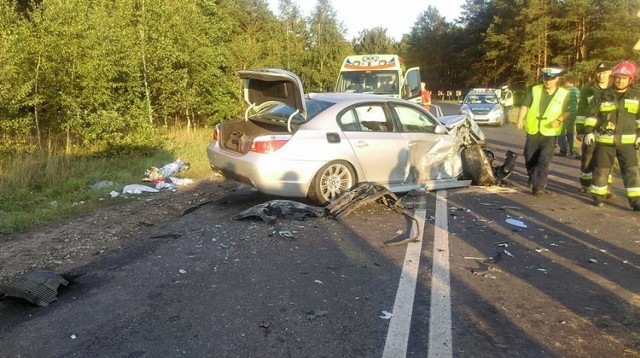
point(349, 123)
point(414, 120)
point(373, 118)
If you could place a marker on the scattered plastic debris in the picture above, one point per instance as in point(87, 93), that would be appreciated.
point(138, 189)
point(386, 315)
point(315, 313)
point(114, 194)
point(156, 175)
point(73, 336)
point(286, 234)
point(508, 253)
point(539, 249)
point(319, 282)
point(182, 271)
point(593, 261)
point(516, 222)
point(502, 243)
point(101, 185)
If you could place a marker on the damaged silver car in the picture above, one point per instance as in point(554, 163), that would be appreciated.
point(319, 145)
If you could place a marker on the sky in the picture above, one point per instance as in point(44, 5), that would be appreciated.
point(357, 15)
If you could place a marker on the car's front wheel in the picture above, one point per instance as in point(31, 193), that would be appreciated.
point(330, 181)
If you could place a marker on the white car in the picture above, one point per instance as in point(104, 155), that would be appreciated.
point(318, 145)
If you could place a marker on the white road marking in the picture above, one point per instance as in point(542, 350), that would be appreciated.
point(398, 334)
point(440, 341)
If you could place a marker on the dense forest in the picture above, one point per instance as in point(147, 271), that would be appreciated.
point(98, 75)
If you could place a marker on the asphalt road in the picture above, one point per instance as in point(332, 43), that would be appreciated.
point(497, 273)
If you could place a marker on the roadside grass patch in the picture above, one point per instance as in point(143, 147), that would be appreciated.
point(37, 189)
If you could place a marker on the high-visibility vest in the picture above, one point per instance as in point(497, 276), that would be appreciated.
point(535, 122)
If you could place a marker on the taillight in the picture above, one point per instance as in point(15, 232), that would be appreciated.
point(216, 134)
point(268, 144)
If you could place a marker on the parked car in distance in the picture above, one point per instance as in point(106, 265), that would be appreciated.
point(483, 106)
point(319, 145)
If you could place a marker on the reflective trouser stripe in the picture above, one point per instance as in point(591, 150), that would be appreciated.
point(610, 179)
point(638, 123)
point(628, 138)
point(633, 192)
point(599, 190)
point(586, 176)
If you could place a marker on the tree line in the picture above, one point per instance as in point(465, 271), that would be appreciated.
point(102, 75)
point(498, 42)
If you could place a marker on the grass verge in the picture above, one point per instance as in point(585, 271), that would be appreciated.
point(39, 189)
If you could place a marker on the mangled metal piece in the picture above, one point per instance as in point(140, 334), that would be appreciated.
point(360, 195)
point(365, 193)
point(274, 209)
point(39, 287)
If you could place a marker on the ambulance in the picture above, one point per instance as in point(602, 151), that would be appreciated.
point(379, 74)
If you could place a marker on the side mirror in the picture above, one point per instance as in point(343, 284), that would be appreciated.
point(440, 129)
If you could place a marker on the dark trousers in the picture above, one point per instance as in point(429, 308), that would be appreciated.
point(586, 164)
point(538, 151)
point(604, 156)
point(565, 140)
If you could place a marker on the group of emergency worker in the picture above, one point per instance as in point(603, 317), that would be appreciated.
point(607, 122)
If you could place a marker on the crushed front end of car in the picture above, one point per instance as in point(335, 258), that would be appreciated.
point(478, 160)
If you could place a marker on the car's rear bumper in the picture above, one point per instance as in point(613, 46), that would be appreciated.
point(268, 173)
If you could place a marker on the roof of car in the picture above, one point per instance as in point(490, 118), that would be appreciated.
point(342, 97)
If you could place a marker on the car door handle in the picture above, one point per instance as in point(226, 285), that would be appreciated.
point(362, 144)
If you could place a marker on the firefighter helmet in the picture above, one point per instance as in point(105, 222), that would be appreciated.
point(625, 68)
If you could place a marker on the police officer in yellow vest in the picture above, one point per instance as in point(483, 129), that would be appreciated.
point(612, 124)
point(542, 113)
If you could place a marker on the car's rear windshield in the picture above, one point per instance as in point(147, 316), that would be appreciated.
point(278, 112)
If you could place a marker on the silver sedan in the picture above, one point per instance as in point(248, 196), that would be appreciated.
point(319, 145)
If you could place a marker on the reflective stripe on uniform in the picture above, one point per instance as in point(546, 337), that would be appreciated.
point(633, 192)
point(610, 179)
point(590, 121)
point(598, 190)
point(607, 106)
point(628, 138)
point(607, 139)
point(580, 119)
point(638, 123)
point(586, 176)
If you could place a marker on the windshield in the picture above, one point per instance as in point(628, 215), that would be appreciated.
point(481, 99)
point(377, 82)
point(278, 113)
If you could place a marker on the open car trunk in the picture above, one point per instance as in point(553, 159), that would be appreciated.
point(238, 136)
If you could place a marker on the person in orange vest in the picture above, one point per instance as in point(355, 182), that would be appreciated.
point(426, 96)
point(542, 115)
point(612, 124)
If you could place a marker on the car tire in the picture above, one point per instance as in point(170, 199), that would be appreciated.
point(330, 181)
point(477, 165)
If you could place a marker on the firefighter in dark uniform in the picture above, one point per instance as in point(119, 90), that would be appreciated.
point(612, 124)
point(542, 113)
point(601, 82)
